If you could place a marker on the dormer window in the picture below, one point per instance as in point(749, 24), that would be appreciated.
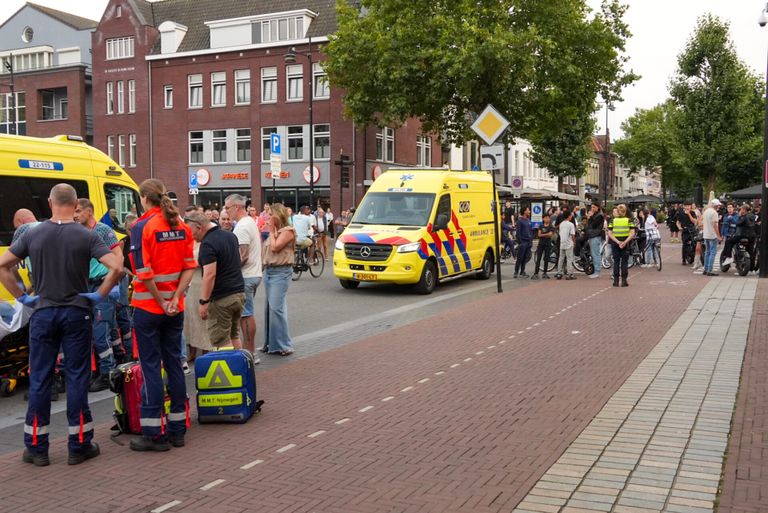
point(272, 28)
point(279, 29)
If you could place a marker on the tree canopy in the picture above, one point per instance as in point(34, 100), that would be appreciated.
point(540, 63)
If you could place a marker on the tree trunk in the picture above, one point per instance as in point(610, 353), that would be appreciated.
point(560, 184)
point(711, 182)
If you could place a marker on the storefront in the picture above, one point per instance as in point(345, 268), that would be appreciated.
point(215, 183)
point(292, 187)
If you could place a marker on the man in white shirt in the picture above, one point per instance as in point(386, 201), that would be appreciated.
point(711, 235)
point(322, 232)
point(303, 224)
point(249, 241)
point(567, 232)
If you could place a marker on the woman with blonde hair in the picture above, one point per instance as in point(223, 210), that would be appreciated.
point(621, 230)
point(277, 259)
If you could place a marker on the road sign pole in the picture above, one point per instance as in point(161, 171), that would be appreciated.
point(496, 234)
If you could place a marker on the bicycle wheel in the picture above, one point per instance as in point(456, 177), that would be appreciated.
point(606, 256)
point(657, 256)
point(316, 267)
point(298, 265)
point(551, 264)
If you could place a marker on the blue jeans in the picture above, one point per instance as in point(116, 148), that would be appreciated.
point(709, 256)
point(159, 340)
point(595, 244)
point(70, 328)
point(123, 321)
point(523, 255)
point(104, 326)
point(251, 286)
point(649, 258)
point(276, 336)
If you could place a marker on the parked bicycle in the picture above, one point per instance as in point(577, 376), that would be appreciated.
point(655, 248)
point(303, 264)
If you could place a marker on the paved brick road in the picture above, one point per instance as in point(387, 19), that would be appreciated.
point(463, 411)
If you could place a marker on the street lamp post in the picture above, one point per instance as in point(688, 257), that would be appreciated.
point(763, 262)
point(290, 58)
point(606, 155)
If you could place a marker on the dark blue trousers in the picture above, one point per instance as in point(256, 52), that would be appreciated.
point(71, 329)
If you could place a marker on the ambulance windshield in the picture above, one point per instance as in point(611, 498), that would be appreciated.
point(395, 208)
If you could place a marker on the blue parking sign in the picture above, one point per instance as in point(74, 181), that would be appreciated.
point(193, 180)
point(274, 142)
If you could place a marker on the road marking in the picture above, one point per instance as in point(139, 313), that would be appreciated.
point(406, 389)
point(467, 359)
point(537, 323)
point(367, 408)
point(316, 434)
point(439, 373)
point(212, 484)
point(575, 332)
point(502, 341)
point(520, 332)
point(166, 507)
point(529, 328)
point(490, 347)
point(551, 316)
point(289, 446)
point(251, 464)
point(511, 337)
point(452, 367)
point(543, 321)
point(424, 380)
point(388, 398)
point(479, 353)
point(342, 421)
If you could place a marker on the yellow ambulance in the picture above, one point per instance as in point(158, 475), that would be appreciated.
point(419, 227)
point(30, 167)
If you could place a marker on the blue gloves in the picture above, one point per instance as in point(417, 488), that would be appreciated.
point(29, 301)
point(95, 298)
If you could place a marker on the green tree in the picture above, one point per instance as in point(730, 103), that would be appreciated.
point(541, 63)
point(718, 118)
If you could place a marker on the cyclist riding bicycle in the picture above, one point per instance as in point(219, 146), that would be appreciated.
point(302, 224)
point(506, 237)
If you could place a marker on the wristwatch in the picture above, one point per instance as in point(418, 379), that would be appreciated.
point(203, 301)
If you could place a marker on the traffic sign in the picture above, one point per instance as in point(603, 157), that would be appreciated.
point(274, 143)
point(492, 157)
point(193, 192)
point(275, 163)
point(315, 174)
point(537, 212)
point(489, 125)
point(193, 181)
point(517, 183)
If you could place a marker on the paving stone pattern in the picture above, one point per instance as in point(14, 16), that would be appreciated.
point(658, 444)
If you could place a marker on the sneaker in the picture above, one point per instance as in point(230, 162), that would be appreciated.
point(558, 276)
point(38, 459)
point(75, 458)
point(256, 360)
point(99, 384)
point(186, 369)
point(143, 444)
point(728, 261)
point(176, 440)
point(545, 276)
point(515, 275)
point(570, 277)
point(523, 274)
point(535, 276)
point(594, 276)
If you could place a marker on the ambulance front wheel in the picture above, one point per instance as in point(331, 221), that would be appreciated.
point(349, 284)
point(7, 387)
point(428, 279)
point(487, 268)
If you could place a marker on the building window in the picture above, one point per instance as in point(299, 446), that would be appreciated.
point(26, 61)
point(218, 89)
point(322, 136)
point(517, 162)
point(47, 98)
point(219, 145)
point(295, 143)
point(196, 147)
point(294, 77)
point(132, 150)
point(242, 86)
point(243, 140)
point(423, 150)
point(131, 96)
point(120, 97)
point(119, 48)
point(118, 11)
point(111, 146)
point(27, 34)
point(268, 85)
point(110, 98)
point(195, 91)
point(279, 29)
point(266, 144)
point(320, 86)
point(168, 96)
point(64, 108)
point(385, 145)
point(121, 150)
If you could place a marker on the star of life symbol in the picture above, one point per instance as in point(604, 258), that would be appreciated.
point(406, 177)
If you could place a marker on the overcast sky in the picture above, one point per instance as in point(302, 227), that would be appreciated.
point(660, 29)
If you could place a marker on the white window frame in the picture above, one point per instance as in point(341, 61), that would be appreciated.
point(195, 83)
point(219, 139)
point(110, 98)
point(423, 151)
point(132, 150)
point(322, 130)
point(119, 48)
point(294, 83)
point(200, 141)
point(242, 81)
point(131, 96)
point(219, 89)
point(48, 110)
point(121, 150)
point(111, 146)
point(320, 82)
point(63, 108)
point(120, 97)
point(266, 144)
point(269, 83)
point(295, 137)
point(287, 28)
point(239, 138)
point(384, 138)
point(168, 97)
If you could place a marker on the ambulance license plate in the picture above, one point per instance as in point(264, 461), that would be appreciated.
point(364, 276)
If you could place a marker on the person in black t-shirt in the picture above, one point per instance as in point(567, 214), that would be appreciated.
point(686, 223)
point(595, 223)
point(546, 231)
point(222, 294)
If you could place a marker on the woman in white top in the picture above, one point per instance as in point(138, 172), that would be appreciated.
point(653, 237)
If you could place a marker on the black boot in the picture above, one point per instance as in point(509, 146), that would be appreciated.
point(99, 384)
point(616, 282)
point(86, 453)
point(624, 282)
point(38, 459)
point(143, 444)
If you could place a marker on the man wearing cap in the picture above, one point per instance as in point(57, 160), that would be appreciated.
point(711, 235)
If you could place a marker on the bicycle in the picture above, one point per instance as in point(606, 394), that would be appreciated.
point(301, 262)
point(655, 245)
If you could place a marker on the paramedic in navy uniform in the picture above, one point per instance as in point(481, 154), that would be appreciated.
point(60, 251)
point(161, 253)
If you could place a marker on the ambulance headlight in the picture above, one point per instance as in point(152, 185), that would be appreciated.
point(409, 248)
point(339, 245)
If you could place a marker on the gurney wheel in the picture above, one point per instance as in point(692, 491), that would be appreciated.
point(7, 387)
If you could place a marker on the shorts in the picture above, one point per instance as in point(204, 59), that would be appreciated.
point(251, 286)
point(304, 244)
point(224, 318)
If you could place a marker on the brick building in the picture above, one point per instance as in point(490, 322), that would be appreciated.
point(45, 73)
point(187, 87)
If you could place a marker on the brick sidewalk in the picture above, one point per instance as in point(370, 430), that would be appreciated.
point(745, 481)
point(460, 412)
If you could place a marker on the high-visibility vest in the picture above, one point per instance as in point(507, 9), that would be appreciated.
point(621, 227)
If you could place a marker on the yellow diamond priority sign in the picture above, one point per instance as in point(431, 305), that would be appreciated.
point(489, 125)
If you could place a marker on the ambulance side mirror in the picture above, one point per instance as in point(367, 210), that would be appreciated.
point(442, 222)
